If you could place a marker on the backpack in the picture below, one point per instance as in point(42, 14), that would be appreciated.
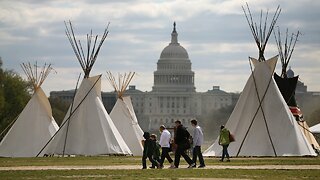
point(187, 136)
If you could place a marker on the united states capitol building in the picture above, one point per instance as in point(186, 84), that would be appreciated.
point(173, 96)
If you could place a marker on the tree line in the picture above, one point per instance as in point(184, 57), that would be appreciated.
point(15, 92)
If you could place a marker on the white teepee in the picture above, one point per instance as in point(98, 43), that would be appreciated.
point(315, 128)
point(35, 125)
point(267, 128)
point(87, 129)
point(123, 115)
point(261, 120)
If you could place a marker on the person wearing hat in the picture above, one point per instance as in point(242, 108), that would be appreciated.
point(164, 142)
point(149, 147)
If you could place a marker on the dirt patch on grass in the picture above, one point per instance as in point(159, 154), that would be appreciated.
point(124, 167)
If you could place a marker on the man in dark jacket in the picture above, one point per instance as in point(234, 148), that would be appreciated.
point(182, 141)
point(149, 147)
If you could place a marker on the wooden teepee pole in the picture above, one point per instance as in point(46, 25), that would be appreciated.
point(122, 84)
point(35, 75)
point(286, 49)
point(261, 33)
point(92, 48)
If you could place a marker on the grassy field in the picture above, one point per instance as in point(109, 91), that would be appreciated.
point(157, 173)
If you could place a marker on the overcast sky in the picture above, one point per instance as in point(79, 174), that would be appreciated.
point(215, 33)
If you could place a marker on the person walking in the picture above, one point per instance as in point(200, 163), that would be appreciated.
point(156, 152)
point(148, 150)
point(197, 142)
point(164, 142)
point(182, 142)
point(224, 141)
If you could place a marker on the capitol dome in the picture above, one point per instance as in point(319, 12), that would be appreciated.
point(174, 72)
point(174, 50)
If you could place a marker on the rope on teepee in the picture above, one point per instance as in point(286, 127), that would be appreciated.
point(314, 134)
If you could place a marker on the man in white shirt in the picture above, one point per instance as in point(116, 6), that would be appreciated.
point(164, 142)
point(197, 142)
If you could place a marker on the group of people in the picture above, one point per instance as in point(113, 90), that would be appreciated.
point(180, 144)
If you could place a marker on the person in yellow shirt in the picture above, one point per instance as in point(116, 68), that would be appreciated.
point(224, 141)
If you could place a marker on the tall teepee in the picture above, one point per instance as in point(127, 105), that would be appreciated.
point(87, 129)
point(35, 125)
point(123, 115)
point(261, 120)
point(287, 84)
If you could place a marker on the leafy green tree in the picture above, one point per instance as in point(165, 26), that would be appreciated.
point(214, 120)
point(314, 117)
point(311, 110)
point(59, 109)
point(2, 100)
point(14, 94)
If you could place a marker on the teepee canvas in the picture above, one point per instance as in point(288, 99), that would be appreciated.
point(287, 82)
point(315, 128)
point(35, 125)
point(87, 129)
point(123, 115)
point(261, 121)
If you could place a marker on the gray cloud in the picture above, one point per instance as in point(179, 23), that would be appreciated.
point(214, 32)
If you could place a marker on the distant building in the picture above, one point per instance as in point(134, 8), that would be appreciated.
point(303, 96)
point(173, 96)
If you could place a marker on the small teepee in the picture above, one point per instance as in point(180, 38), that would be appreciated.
point(35, 125)
point(123, 115)
point(261, 120)
point(287, 82)
point(87, 129)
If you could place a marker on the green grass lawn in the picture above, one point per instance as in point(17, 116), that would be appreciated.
point(129, 160)
point(162, 174)
point(156, 173)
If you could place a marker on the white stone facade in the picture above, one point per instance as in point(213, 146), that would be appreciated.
point(173, 96)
